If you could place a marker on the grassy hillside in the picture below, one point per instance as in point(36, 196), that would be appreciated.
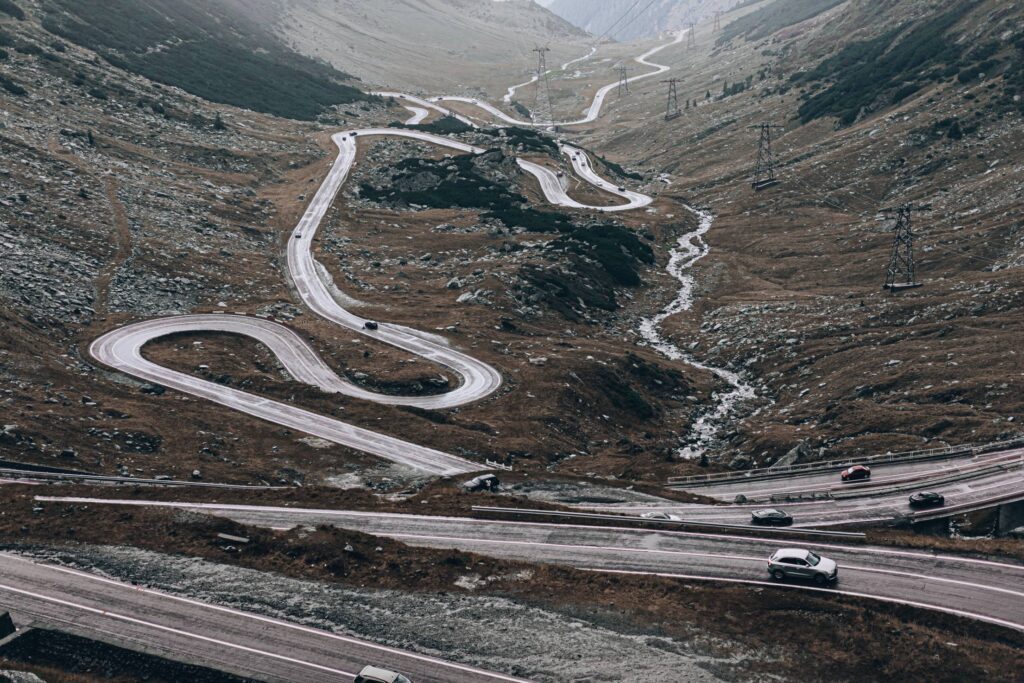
point(206, 48)
point(868, 75)
point(771, 18)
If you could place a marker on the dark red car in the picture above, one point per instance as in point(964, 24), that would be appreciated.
point(856, 473)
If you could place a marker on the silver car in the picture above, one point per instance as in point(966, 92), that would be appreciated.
point(664, 516)
point(801, 563)
point(373, 674)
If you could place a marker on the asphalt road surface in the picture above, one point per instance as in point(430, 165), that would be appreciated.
point(121, 348)
point(592, 112)
point(194, 632)
point(980, 589)
point(829, 479)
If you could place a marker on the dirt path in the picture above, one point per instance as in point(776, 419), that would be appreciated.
point(122, 232)
point(123, 237)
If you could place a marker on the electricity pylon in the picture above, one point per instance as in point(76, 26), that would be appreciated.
point(901, 271)
point(623, 88)
point(542, 102)
point(691, 35)
point(718, 21)
point(764, 171)
point(672, 108)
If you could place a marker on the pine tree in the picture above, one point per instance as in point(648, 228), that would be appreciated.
point(218, 123)
point(92, 141)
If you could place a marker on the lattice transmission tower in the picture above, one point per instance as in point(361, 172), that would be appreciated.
point(542, 102)
point(901, 273)
point(623, 88)
point(764, 171)
point(672, 110)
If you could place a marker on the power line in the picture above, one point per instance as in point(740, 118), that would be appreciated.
point(870, 204)
point(621, 17)
point(636, 16)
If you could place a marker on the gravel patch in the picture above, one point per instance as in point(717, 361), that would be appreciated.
point(489, 632)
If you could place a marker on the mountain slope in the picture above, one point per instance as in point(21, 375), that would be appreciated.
point(628, 20)
point(880, 103)
point(424, 45)
point(211, 49)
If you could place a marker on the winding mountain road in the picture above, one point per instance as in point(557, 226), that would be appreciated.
point(252, 645)
point(592, 112)
point(121, 349)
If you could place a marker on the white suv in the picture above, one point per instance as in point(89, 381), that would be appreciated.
point(802, 564)
point(373, 674)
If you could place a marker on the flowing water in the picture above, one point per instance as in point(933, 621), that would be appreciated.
point(689, 249)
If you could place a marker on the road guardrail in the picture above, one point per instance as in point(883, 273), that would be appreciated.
point(949, 511)
point(111, 479)
point(697, 480)
point(866, 489)
point(631, 521)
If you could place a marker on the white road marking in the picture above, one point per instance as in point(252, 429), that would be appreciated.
point(168, 629)
point(475, 521)
point(269, 620)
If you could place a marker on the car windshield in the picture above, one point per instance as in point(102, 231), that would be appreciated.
point(402, 679)
point(813, 559)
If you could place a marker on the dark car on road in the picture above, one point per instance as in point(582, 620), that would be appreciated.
point(370, 325)
point(771, 517)
point(927, 499)
point(856, 473)
point(800, 563)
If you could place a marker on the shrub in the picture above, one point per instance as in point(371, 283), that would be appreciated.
point(905, 92)
point(530, 139)
point(863, 71)
point(446, 125)
point(521, 109)
point(11, 87)
point(530, 219)
point(463, 188)
point(615, 168)
point(8, 7)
